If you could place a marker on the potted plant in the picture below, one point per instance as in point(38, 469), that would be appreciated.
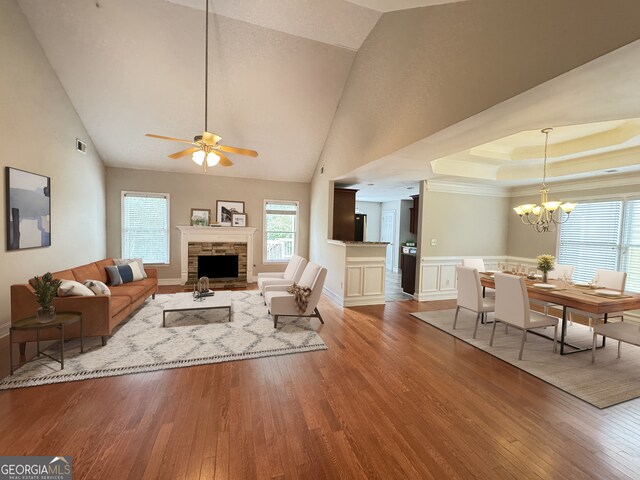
point(45, 288)
point(545, 265)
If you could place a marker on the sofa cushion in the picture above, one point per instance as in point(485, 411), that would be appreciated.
point(63, 275)
point(125, 261)
point(86, 272)
point(117, 304)
point(147, 283)
point(97, 287)
point(104, 277)
point(133, 292)
point(120, 274)
point(71, 288)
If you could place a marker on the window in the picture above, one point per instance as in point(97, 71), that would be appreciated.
point(603, 236)
point(280, 230)
point(145, 226)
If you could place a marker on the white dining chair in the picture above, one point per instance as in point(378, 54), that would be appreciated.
point(470, 295)
point(623, 332)
point(476, 263)
point(609, 279)
point(559, 272)
point(512, 308)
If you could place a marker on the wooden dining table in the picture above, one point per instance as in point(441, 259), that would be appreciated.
point(575, 297)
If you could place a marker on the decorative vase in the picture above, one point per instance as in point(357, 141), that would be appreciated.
point(44, 315)
point(544, 277)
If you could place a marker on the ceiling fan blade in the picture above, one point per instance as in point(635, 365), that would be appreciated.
point(241, 151)
point(169, 138)
point(183, 153)
point(224, 160)
point(210, 138)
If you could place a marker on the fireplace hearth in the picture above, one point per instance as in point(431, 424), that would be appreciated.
point(224, 263)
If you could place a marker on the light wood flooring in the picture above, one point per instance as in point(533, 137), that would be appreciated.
point(391, 398)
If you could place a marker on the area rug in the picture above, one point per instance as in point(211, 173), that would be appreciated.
point(191, 338)
point(607, 382)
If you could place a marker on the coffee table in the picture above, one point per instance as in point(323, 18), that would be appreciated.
point(183, 302)
point(59, 321)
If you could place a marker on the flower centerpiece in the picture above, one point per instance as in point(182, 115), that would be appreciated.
point(545, 265)
point(45, 288)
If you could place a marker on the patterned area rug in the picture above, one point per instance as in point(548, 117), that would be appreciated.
point(608, 381)
point(190, 338)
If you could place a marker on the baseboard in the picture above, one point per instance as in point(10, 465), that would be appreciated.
point(427, 296)
point(334, 297)
point(362, 301)
point(169, 281)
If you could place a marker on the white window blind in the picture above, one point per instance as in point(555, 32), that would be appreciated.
point(145, 227)
point(590, 240)
point(281, 229)
point(631, 245)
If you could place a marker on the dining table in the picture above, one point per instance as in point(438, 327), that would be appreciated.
point(573, 296)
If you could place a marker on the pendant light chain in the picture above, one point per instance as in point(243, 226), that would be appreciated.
point(544, 171)
point(206, 66)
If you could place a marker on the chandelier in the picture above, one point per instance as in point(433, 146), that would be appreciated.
point(545, 217)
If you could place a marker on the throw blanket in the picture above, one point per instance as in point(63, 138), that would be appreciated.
point(300, 296)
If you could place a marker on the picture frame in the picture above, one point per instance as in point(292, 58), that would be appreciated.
point(238, 219)
point(225, 209)
point(28, 209)
point(200, 217)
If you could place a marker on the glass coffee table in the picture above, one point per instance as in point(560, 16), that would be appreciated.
point(184, 302)
point(32, 323)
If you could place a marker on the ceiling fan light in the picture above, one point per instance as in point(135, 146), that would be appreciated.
point(198, 157)
point(212, 159)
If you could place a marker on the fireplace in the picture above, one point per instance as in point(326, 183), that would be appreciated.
point(224, 263)
point(218, 266)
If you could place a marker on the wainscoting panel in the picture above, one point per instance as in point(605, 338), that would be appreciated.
point(354, 281)
point(374, 278)
point(365, 281)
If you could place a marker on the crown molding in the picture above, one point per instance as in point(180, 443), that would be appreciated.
point(443, 186)
point(576, 186)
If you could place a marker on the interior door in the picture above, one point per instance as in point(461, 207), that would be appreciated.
point(387, 234)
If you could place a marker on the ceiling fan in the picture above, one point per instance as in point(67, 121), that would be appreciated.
point(206, 149)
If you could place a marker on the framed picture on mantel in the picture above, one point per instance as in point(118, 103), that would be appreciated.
point(225, 210)
point(239, 219)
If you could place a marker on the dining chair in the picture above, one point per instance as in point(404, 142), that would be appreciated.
point(476, 263)
point(623, 332)
point(559, 272)
point(609, 279)
point(512, 308)
point(470, 295)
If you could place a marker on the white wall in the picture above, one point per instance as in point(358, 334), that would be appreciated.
point(39, 127)
point(372, 210)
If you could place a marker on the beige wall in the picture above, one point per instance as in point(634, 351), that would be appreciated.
point(201, 191)
point(422, 70)
point(39, 126)
point(522, 241)
point(463, 224)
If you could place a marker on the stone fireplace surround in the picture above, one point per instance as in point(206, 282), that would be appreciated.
point(216, 241)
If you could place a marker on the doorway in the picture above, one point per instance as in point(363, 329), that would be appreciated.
point(387, 234)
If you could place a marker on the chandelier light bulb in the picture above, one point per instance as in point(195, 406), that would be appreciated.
point(198, 157)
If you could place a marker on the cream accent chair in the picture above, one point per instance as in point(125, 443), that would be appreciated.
point(512, 308)
point(292, 274)
point(470, 295)
point(606, 279)
point(282, 304)
point(476, 263)
point(623, 332)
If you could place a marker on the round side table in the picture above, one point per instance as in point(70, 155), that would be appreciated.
point(59, 321)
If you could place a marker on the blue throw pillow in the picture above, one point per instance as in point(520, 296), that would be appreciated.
point(120, 274)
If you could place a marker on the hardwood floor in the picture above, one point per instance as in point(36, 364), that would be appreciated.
point(392, 397)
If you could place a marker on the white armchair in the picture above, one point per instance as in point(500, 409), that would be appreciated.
point(282, 304)
point(292, 274)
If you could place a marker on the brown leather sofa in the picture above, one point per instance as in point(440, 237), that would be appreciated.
point(101, 314)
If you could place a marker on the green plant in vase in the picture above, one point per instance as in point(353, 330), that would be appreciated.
point(545, 265)
point(46, 288)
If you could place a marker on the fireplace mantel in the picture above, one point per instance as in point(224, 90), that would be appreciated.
point(214, 234)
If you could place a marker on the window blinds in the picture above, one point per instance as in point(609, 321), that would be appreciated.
point(590, 240)
point(145, 227)
point(631, 245)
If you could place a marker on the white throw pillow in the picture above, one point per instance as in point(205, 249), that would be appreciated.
point(70, 288)
point(97, 287)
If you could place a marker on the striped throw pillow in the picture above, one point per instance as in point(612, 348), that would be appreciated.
point(120, 274)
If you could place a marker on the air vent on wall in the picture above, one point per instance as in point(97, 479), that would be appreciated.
point(81, 146)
